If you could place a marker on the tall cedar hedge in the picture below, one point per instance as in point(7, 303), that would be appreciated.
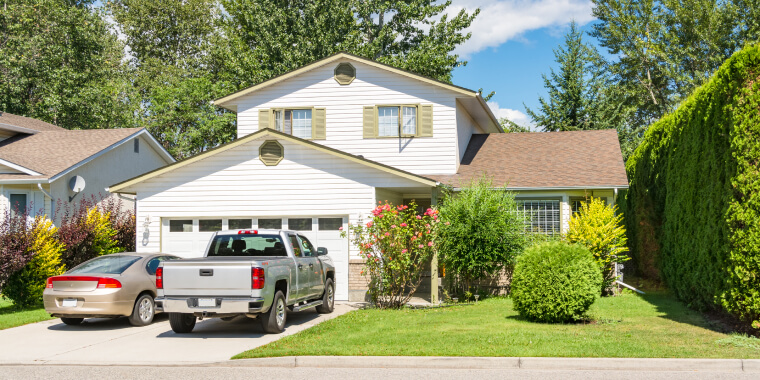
point(693, 207)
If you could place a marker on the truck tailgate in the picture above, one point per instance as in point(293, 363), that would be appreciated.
point(207, 278)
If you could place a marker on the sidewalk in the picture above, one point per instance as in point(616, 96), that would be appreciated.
point(574, 364)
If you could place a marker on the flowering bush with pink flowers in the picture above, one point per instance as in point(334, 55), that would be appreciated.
point(396, 245)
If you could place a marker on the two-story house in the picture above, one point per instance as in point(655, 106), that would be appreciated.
point(319, 147)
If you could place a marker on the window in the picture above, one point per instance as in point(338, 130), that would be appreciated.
point(240, 224)
point(576, 202)
point(209, 225)
point(247, 245)
point(137, 145)
point(542, 216)
point(295, 245)
point(308, 249)
point(152, 265)
point(330, 224)
point(270, 224)
point(296, 122)
point(180, 226)
point(111, 264)
point(394, 121)
point(299, 224)
point(18, 204)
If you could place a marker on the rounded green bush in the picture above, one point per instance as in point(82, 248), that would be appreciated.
point(555, 282)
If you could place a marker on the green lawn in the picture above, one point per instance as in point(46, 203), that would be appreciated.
point(10, 316)
point(654, 325)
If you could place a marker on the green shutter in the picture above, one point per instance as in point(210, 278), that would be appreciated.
point(370, 131)
point(264, 119)
point(318, 124)
point(426, 120)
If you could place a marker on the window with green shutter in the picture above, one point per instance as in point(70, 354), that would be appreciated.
point(398, 120)
point(305, 123)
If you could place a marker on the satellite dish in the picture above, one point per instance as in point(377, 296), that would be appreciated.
point(76, 184)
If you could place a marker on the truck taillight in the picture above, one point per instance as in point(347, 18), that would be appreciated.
point(257, 278)
point(160, 278)
point(248, 232)
point(49, 283)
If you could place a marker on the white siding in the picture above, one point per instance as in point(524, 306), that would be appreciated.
point(8, 170)
point(467, 127)
point(344, 107)
point(235, 183)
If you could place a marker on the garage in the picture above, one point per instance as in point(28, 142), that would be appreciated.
point(188, 237)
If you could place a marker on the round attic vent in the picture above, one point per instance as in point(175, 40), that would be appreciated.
point(271, 152)
point(345, 73)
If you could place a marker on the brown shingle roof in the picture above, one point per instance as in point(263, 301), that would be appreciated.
point(543, 160)
point(28, 123)
point(50, 153)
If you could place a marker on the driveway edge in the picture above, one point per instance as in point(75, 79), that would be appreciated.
point(534, 363)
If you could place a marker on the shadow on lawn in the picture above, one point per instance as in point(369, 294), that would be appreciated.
point(11, 308)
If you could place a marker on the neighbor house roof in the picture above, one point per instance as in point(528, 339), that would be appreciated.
point(122, 187)
point(9, 120)
point(545, 160)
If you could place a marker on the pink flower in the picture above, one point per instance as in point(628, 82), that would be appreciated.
point(369, 224)
point(447, 223)
point(430, 244)
point(403, 250)
point(421, 246)
point(427, 225)
point(419, 217)
point(340, 228)
point(403, 224)
point(387, 234)
point(393, 226)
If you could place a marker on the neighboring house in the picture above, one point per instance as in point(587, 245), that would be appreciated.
point(319, 147)
point(39, 161)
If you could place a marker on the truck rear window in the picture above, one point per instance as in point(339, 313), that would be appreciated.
point(247, 245)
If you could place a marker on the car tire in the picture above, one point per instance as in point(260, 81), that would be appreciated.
point(182, 323)
point(143, 311)
point(273, 321)
point(328, 298)
point(72, 321)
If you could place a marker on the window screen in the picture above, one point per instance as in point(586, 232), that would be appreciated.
point(240, 224)
point(387, 121)
point(299, 224)
point(180, 226)
point(330, 224)
point(541, 216)
point(209, 225)
point(270, 224)
point(409, 125)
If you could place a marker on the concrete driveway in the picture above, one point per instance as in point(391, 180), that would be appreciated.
point(115, 341)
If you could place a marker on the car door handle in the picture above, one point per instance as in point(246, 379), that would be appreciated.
point(311, 265)
point(300, 266)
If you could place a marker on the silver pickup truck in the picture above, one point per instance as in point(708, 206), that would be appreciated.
point(257, 273)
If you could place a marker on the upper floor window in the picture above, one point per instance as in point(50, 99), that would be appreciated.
point(296, 122)
point(394, 121)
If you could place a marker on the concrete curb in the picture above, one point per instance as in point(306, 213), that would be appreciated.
point(578, 364)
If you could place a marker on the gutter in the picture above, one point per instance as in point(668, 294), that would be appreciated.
point(557, 188)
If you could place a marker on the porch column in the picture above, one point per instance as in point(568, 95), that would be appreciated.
point(434, 260)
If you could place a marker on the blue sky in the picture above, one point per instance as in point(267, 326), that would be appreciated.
point(511, 46)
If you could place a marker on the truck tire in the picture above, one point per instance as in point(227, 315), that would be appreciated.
point(273, 321)
point(181, 323)
point(143, 312)
point(328, 298)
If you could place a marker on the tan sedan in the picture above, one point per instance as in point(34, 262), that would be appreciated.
point(122, 284)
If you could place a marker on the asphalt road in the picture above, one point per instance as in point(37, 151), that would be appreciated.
point(269, 373)
point(115, 341)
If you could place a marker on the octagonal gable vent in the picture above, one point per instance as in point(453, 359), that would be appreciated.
point(345, 73)
point(271, 153)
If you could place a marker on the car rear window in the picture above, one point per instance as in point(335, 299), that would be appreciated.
point(112, 264)
point(247, 245)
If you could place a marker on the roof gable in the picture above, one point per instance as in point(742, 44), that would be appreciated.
point(122, 187)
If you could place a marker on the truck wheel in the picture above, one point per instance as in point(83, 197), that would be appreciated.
point(143, 312)
point(72, 321)
point(328, 298)
point(273, 321)
point(181, 323)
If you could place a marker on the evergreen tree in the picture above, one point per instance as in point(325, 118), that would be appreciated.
point(578, 91)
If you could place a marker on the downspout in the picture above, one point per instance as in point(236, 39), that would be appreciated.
point(52, 201)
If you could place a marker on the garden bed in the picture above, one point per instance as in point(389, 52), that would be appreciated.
point(655, 325)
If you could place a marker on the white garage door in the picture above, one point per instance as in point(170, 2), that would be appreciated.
point(188, 237)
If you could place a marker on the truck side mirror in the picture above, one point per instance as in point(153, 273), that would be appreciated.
point(321, 251)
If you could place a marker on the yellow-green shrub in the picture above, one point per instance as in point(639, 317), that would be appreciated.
point(598, 228)
point(25, 286)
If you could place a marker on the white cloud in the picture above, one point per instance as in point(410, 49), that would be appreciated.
point(503, 20)
point(514, 115)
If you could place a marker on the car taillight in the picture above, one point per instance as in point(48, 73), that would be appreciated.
point(257, 278)
point(160, 278)
point(108, 283)
point(49, 283)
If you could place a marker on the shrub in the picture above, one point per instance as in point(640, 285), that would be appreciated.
point(693, 205)
point(479, 235)
point(15, 240)
point(597, 228)
point(25, 286)
point(555, 282)
point(396, 245)
point(86, 232)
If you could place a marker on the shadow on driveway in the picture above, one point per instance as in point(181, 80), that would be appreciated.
point(104, 324)
point(217, 328)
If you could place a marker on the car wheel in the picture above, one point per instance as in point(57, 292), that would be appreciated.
point(181, 323)
point(143, 312)
point(72, 321)
point(328, 298)
point(273, 321)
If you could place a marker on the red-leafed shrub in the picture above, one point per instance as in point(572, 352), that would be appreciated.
point(15, 240)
